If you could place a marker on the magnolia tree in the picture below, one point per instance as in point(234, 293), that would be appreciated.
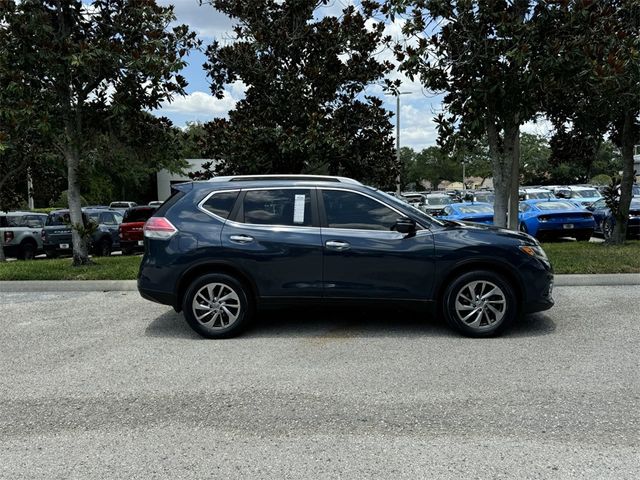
point(305, 108)
point(68, 68)
point(479, 54)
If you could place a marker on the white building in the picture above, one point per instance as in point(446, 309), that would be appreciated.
point(165, 178)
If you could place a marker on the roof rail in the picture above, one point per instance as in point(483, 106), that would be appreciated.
point(310, 178)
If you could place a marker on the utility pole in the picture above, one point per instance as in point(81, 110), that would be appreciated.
point(30, 189)
point(398, 163)
point(464, 175)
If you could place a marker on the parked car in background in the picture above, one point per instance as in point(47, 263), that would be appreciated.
point(605, 220)
point(535, 194)
point(130, 230)
point(21, 233)
point(435, 202)
point(218, 250)
point(122, 206)
point(469, 212)
point(635, 190)
point(155, 203)
point(482, 196)
point(414, 198)
point(579, 195)
point(56, 234)
point(545, 219)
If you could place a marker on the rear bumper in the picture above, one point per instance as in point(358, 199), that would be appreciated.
point(158, 297)
point(131, 245)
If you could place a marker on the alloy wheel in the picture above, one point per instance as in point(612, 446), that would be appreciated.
point(480, 304)
point(216, 306)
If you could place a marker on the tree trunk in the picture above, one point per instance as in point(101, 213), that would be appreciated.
point(512, 151)
point(505, 158)
point(629, 133)
point(78, 238)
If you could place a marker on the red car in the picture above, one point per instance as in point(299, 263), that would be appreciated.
point(130, 230)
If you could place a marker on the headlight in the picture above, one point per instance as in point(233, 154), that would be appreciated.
point(533, 251)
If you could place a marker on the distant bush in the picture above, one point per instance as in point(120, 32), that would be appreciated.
point(601, 179)
point(63, 201)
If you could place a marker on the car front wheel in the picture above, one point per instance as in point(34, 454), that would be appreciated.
point(479, 304)
point(217, 306)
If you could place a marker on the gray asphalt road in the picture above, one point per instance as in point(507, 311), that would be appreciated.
point(107, 385)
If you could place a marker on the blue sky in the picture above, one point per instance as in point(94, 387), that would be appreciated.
point(417, 108)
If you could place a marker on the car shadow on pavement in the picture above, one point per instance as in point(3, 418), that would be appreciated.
point(344, 323)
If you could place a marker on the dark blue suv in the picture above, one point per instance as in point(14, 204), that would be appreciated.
point(218, 250)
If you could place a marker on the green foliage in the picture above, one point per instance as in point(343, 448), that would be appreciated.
point(305, 109)
point(73, 73)
point(601, 179)
point(63, 201)
point(534, 160)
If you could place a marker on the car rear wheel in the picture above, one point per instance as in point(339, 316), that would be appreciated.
point(217, 306)
point(103, 248)
point(479, 304)
point(27, 251)
point(607, 228)
point(523, 228)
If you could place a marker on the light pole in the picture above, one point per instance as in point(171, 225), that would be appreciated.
point(399, 165)
point(464, 174)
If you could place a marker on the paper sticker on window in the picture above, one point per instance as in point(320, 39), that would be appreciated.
point(298, 209)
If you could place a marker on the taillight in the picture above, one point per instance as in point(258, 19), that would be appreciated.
point(120, 231)
point(159, 227)
point(8, 236)
point(43, 235)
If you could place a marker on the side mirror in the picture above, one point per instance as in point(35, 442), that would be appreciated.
point(405, 225)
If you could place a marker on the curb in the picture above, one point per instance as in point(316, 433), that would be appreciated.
point(68, 286)
point(578, 280)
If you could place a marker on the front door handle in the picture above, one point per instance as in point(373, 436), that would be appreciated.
point(241, 238)
point(337, 245)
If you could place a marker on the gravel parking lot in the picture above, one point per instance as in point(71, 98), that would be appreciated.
point(107, 385)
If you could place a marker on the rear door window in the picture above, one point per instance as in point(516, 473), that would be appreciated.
point(138, 215)
point(286, 207)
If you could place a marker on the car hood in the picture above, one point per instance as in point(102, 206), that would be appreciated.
point(490, 229)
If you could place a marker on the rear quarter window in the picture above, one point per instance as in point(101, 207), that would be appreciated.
point(221, 203)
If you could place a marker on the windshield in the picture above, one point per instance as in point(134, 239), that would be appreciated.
point(138, 215)
point(540, 195)
point(475, 209)
point(402, 205)
point(485, 197)
point(439, 201)
point(58, 219)
point(585, 193)
point(555, 206)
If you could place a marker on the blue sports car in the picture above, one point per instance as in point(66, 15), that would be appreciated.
point(605, 220)
point(556, 218)
point(469, 212)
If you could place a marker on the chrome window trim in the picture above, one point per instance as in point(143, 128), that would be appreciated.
point(422, 227)
point(274, 227)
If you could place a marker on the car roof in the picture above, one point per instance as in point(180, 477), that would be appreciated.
point(20, 212)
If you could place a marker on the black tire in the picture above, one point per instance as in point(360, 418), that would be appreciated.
point(27, 250)
point(523, 228)
point(489, 324)
point(212, 324)
point(103, 248)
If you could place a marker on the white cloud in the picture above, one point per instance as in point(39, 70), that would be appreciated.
point(542, 127)
point(208, 22)
point(200, 106)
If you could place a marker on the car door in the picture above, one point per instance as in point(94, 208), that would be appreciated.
point(600, 212)
point(364, 258)
point(273, 235)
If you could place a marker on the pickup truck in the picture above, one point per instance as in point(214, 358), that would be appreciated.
point(21, 233)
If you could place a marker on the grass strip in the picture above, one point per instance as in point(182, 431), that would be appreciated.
point(566, 258)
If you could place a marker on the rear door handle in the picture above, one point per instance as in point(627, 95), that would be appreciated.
point(241, 238)
point(337, 245)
